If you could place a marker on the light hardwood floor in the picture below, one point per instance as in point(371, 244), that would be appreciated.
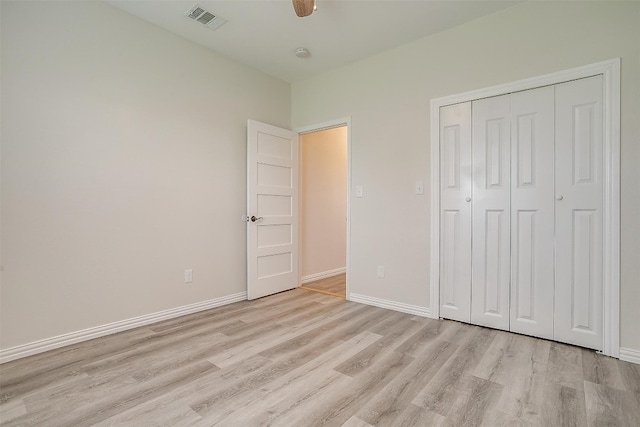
point(304, 359)
point(334, 285)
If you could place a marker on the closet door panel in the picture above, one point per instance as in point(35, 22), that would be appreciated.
point(455, 214)
point(579, 195)
point(491, 212)
point(532, 212)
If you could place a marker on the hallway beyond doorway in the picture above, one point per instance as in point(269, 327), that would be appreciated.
point(334, 285)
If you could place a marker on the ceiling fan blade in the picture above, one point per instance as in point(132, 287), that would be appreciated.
point(303, 7)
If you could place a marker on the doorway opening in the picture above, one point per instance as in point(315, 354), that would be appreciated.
point(323, 209)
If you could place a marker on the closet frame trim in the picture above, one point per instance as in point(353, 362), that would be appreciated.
point(610, 71)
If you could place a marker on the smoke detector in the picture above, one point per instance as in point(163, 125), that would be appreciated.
point(206, 18)
point(302, 52)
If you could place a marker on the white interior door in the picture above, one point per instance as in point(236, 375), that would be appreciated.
point(490, 253)
point(455, 215)
point(532, 212)
point(579, 191)
point(581, 164)
point(272, 209)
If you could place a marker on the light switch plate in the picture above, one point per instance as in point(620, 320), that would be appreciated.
point(420, 187)
point(359, 191)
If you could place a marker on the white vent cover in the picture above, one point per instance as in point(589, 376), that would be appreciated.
point(205, 17)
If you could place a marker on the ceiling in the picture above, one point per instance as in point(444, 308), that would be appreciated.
point(264, 34)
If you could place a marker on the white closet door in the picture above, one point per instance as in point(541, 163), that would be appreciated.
point(491, 212)
point(579, 187)
point(455, 214)
point(532, 212)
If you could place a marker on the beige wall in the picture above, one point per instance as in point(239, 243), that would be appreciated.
point(123, 152)
point(323, 200)
point(387, 97)
point(123, 163)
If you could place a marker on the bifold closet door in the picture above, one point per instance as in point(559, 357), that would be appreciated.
point(491, 216)
point(579, 221)
point(455, 211)
point(532, 212)
point(522, 180)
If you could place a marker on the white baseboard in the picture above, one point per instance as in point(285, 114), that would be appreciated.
point(47, 344)
point(391, 305)
point(630, 355)
point(322, 275)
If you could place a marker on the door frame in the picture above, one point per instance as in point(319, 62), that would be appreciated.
point(331, 124)
point(610, 70)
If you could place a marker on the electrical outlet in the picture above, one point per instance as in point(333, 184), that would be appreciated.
point(381, 271)
point(188, 276)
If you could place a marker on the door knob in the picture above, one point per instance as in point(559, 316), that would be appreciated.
point(255, 218)
point(559, 197)
point(468, 199)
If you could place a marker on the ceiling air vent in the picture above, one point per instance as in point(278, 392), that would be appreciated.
point(205, 17)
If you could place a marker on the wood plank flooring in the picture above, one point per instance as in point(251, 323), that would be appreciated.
point(301, 358)
point(334, 285)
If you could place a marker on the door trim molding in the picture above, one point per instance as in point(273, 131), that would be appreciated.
point(345, 121)
point(610, 70)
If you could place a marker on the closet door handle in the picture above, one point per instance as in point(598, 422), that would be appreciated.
point(468, 199)
point(559, 197)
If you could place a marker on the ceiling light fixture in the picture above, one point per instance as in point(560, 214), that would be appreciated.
point(302, 52)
